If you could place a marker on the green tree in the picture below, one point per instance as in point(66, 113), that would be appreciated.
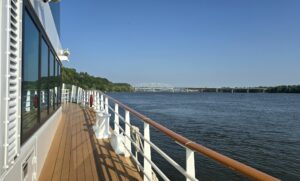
point(86, 81)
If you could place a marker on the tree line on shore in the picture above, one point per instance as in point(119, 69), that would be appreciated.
point(86, 81)
point(284, 89)
point(261, 89)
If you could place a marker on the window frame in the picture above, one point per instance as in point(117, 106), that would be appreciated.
point(32, 130)
point(40, 67)
point(27, 8)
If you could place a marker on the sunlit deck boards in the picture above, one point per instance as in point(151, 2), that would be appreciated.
point(76, 154)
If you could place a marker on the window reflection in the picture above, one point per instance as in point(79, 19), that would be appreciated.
point(51, 84)
point(44, 82)
point(30, 76)
point(59, 84)
point(55, 84)
point(41, 83)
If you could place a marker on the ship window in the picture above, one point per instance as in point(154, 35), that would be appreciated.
point(41, 83)
point(51, 83)
point(58, 80)
point(44, 81)
point(30, 77)
point(55, 84)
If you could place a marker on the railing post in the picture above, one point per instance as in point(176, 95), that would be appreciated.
point(106, 105)
point(96, 103)
point(94, 97)
point(137, 141)
point(190, 163)
point(101, 102)
point(147, 153)
point(127, 132)
point(80, 96)
point(84, 98)
point(117, 130)
point(88, 98)
point(97, 106)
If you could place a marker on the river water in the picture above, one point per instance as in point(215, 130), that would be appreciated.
point(261, 130)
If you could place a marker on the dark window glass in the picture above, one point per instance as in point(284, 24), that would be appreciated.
point(58, 84)
point(44, 81)
point(51, 83)
point(41, 82)
point(55, 84)
point(30, 61)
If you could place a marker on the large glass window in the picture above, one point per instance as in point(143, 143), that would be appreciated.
point(59, 84)
point(55, 84)
point(51, 83)
point(44, 81)
point(40, 78)
point(30, 101)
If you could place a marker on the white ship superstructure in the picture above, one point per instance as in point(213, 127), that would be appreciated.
point(30, 70)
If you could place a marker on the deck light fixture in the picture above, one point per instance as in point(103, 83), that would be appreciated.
point(64, 55)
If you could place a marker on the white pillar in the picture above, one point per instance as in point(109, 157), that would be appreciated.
point(93, 94)
point(147, 153)
point(77, 98)
point(128, 133)
point(190, 163)
point(98, 101)
point(80, 98)
point(95, 100)
point(106, 105)
point(117, 129)
point(83, 98)
point(87, 98)
point(102, 102)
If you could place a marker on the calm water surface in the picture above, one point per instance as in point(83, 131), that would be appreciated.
point(262, 130)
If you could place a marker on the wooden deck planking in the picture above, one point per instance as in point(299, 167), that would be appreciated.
point(48, 168)
point(76, 154)
point(67, 154)
point(79, 155)
point(60, 155)
point(72, 166)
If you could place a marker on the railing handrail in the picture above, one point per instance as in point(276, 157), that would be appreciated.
point(224, 160)
point(157, 149)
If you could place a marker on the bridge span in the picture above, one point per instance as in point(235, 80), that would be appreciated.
point(160, 87)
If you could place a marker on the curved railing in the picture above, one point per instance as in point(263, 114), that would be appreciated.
point(224, 160)
point(104, 102)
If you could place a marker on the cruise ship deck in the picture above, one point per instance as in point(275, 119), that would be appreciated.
point(76, 154)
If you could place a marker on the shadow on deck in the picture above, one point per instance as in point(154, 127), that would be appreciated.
point(76, 154)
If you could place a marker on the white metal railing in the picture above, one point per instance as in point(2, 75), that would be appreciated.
point(148, 164)
point(143, 144)
point(65, 95)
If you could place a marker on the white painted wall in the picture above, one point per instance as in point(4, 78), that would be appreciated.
point(45, 15)
point(40, 142)
point(1, 111)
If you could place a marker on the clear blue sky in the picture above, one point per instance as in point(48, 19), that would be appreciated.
point(196, 43)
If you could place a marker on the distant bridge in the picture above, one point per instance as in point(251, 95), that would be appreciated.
point(154, 87)
point(162, 87)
